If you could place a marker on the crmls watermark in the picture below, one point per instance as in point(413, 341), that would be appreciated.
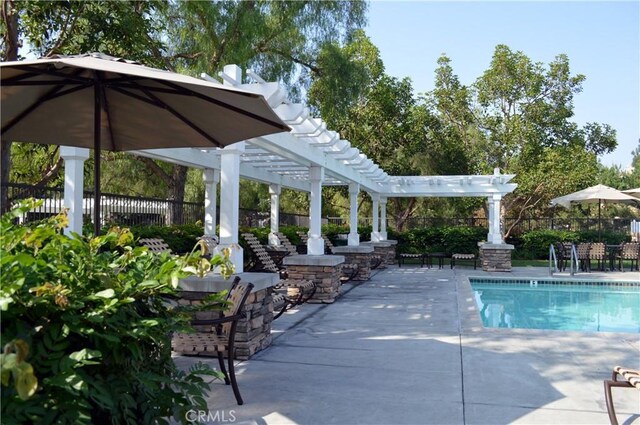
point(208, 416)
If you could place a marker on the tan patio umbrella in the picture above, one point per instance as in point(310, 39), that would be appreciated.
point(101, 102)
point(633, 192)
point(595, 194)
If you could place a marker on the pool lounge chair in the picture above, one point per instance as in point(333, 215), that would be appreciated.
point(630, 379)
point(288, 292)
point(155, 245)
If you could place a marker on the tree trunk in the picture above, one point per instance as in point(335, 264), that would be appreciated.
point(12, 43)
point(176, 194)
point(402, 214)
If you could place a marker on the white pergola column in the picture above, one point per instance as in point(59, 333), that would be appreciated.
point(274, 191)
point(315, 244)
point(230, 202)
point(383, 219)
point(490, 219)
point(74, 159)
point(211, 179)
point(494, 225)
point(375, 231)
point(354, 237)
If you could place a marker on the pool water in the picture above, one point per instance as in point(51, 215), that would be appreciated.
point(559, 306)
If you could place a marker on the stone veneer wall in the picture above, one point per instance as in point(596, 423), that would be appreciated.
point(496, 258)
point(388, 253)
point(362, 260)
point(253, 332)
point(326, 279)
point(323, 270)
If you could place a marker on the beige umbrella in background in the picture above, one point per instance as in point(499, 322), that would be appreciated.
point(596, 195)
point(633, 192)
point(101, 102)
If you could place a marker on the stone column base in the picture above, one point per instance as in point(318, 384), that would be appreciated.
point(383, 250)
point(496, 257)
point(359, 255)
point(323, 270)
point(253, 333)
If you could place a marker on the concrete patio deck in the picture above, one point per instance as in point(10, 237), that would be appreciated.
point(407, 347)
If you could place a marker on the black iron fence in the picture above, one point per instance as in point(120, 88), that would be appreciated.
point(133, 210)
point(525, 225)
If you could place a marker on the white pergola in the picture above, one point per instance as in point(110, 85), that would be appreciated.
point(307, 158)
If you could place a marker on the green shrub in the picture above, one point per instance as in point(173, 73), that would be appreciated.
point(90, 317)
point(180, 238)
point(535, 244)
point(463, 240)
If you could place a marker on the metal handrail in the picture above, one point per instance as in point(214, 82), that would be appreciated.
point(552, 256)
point(574, 256)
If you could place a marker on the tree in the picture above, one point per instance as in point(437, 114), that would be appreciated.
point(517, 117)
point(124, 29)
point(279, 40)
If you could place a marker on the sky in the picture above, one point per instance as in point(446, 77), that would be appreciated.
point(601, 40)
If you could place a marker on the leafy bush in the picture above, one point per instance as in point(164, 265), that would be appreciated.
point(90, 321)
point(180, 238)
point(463, 239)
point(535, 244)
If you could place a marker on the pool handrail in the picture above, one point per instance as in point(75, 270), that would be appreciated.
point(574, 256)
point(552, 256)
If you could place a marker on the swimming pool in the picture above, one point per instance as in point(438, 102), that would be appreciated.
point(589, 306)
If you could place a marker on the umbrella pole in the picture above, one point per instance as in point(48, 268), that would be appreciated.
point(96, 159)
point(600, 220)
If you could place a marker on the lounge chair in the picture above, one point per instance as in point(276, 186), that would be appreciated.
point(598, 252)
point(583, 256)
point(286, 243)
point(156, 245)
point(218, 335)
point(630, 379)
point(289, 292)
point(211, 242)
point(630, 251)
point(465, 257)
point(404, 256)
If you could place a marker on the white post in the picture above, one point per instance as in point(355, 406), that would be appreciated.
point(74, 185)
point(383, 219)
point(490, 219)
point(375, 232)
point(315, 243)
point(495, 222)
point(274, 191)
point(354, 237)
point(230, 202)
point(211, 179)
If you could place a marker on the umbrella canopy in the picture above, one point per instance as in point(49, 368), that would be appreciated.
point(633, 192)
point(595, 195)
point(101, 102)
